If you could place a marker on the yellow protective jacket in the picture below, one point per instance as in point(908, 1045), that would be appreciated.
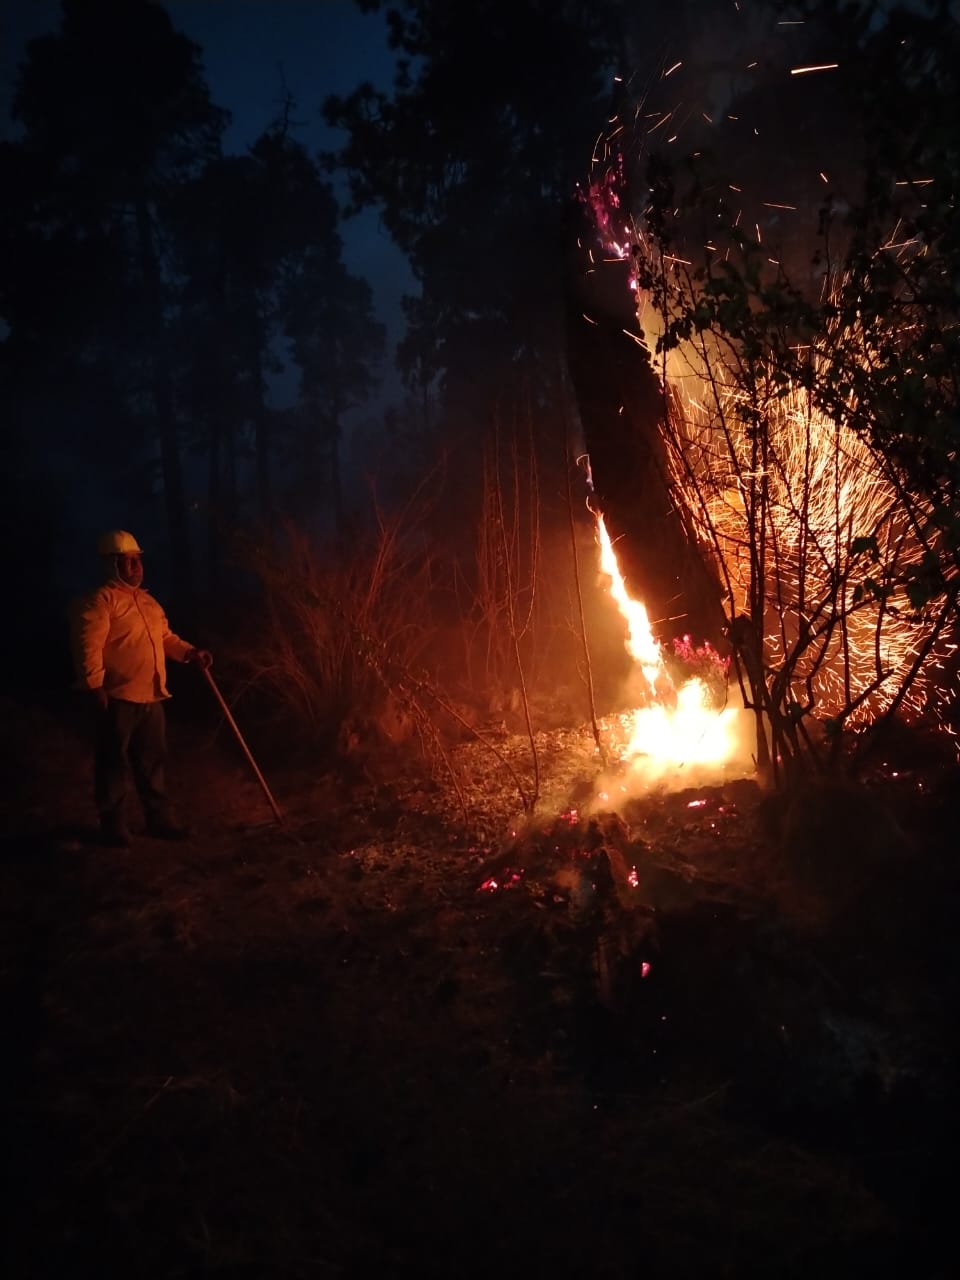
point(121, 641)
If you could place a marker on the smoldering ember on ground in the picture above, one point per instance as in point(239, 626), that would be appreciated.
point(593, 910)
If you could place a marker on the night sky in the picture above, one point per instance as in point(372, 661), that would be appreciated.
point(255, 51)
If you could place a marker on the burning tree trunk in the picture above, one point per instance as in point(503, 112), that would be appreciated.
point(821, 546)
point(621, 407)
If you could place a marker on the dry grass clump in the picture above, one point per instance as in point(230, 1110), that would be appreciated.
point(339, 624)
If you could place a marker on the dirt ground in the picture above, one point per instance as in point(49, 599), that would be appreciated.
point(393, 1039)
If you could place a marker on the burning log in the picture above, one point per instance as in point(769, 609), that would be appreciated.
point(680, 720)
point(621, 406)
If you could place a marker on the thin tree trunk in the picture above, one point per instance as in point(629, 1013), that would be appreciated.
point(335, 476)
point(587, 664)
point(171, 465)
point(261, 428)
point(336, 482)
point(229, 488)
point(214, 504)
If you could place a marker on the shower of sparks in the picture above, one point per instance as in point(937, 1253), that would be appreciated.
point(820, 489)
point(838, 624)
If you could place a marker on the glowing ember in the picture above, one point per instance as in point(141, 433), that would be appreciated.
point(678, 726)
point(510, 880)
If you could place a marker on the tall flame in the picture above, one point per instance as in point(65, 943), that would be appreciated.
point(678, 726)
point(641, 644)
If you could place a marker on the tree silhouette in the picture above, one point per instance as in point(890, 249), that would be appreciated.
point(115, 108)
point(493, 116)
point(154, 289)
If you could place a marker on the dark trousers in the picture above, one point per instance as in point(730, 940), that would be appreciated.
point(131, 739)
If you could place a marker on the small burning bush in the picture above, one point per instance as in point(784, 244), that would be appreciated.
point(690, 661)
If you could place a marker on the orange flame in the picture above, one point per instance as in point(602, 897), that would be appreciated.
point(678, 727)
point(641, 644)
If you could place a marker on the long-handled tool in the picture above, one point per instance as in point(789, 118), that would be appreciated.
point(246, 750)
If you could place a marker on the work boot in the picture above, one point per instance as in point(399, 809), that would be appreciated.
point(114, 835)
point(167, 829)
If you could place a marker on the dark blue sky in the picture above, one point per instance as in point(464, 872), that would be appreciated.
point(254, 50)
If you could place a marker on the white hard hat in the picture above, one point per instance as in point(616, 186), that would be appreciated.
point(118, 543)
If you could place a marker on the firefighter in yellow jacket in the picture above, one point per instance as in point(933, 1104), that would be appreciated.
point(121, 641)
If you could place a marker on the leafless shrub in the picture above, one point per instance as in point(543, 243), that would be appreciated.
point(815, 536)
point(329, 610)
point(346, 644)
point(502, 616)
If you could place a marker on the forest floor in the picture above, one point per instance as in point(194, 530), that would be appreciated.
point(392, 1039)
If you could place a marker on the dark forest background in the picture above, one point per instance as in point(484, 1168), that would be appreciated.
point(154, 289)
